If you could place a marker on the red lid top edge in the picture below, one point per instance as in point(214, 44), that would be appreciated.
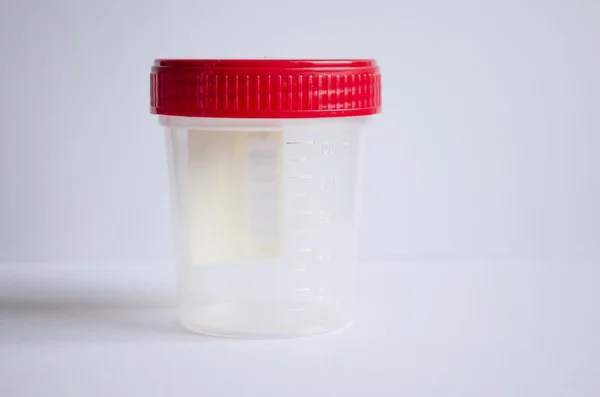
point(266, 63)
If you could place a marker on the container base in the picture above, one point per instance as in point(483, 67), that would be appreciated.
point(263, 319)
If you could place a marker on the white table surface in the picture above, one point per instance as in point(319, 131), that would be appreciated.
point(422, 329)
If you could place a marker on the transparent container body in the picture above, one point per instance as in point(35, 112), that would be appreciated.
point(265, 219)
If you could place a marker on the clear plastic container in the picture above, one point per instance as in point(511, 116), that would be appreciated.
point(265, 216)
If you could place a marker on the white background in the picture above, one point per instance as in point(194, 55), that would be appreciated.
point(487, 147)
point(485, 164)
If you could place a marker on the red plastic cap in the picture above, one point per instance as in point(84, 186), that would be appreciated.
point(265, 88)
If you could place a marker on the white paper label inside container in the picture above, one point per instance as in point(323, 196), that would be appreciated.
point(236, 195)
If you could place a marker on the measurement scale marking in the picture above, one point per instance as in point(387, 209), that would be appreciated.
point(299, 142)
point(299, 177)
